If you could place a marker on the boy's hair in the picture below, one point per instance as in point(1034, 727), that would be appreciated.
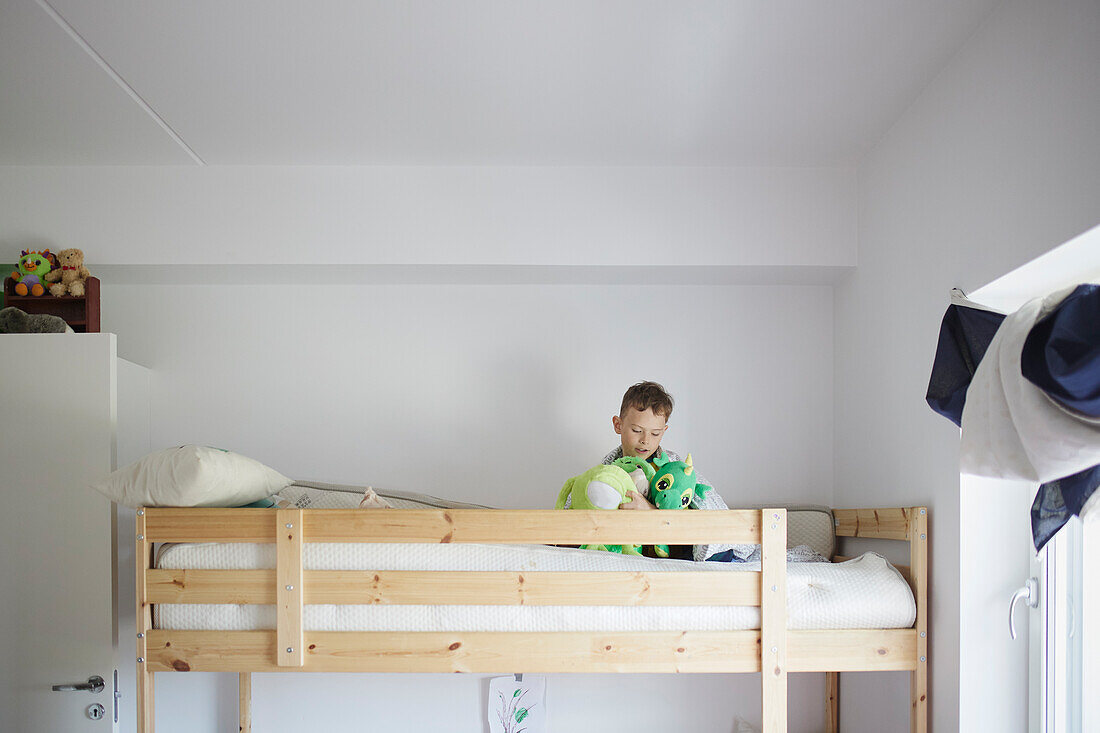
point(648, 396)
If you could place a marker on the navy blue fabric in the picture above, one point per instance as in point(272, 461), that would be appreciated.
point(1059, 500)
point(965, 334)
point(726, 556)
point(1061, 354)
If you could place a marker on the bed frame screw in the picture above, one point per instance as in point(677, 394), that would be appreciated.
point(923, 511)
point(290, 650)
point(141, 536)
point(141, 660)
point(923, 634)
point(141, 512)
point(140, 635)
point(775, 516)
point(290, 587)
point(775, 649)
point(774, 526)
point(774, 588)
point(289, 525)
point(922, 659)
point(922, 537)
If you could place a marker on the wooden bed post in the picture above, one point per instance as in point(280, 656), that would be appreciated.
point(288, 587)
point(773, 619)
point(244, 701)
point(143, 558)
point(918, 572)
point(832, 702)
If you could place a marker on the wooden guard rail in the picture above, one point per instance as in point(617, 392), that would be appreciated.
point(290, 587)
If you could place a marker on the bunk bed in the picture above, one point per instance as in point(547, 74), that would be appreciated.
point(290, 587)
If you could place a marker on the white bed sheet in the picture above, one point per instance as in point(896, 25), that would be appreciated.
point(863, 593)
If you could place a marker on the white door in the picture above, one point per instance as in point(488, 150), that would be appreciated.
point(57, 620)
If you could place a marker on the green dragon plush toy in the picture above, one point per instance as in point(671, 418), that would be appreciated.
point(30, 277)
point(671, 485)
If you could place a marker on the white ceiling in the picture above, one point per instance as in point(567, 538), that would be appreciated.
point(465, 82)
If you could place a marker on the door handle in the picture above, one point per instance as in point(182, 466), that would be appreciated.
point(1030, 594)
point(94, 684)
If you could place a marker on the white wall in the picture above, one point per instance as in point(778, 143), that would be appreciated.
point(997, 162)
point(464, 390)
point(433, 215)
point(491, 394)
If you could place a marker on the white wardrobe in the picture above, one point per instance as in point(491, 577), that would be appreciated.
point(71, 411)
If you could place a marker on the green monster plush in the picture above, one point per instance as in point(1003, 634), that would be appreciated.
point(30, 277)
point(601, 487)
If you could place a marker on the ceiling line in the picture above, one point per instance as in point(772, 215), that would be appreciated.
point(49, 9)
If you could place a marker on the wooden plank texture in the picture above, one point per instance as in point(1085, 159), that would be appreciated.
point(852, 650)
point(492, 526)
point(887, 524)
point(918, 562)
point(491, 652)
point(288, 586)
point(832, 702)
point(143, 559)
point(773, 620)
point(201, 524)
point(388, 587)
point(244, 702)
point(845, 650)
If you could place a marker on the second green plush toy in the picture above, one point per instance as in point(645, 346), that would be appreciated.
point(600, 487)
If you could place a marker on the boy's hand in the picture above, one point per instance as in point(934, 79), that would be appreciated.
point(637, 501)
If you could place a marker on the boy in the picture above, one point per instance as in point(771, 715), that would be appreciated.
point(641, 424)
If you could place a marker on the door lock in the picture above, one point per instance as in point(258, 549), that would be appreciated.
point(95, 711)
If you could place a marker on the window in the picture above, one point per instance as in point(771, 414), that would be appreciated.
point(1060, 620)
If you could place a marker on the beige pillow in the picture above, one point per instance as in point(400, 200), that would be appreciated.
point(191, 475)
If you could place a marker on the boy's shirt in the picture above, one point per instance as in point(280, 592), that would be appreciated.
point(711, 499)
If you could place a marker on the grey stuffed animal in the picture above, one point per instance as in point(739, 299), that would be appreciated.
point(13, 320)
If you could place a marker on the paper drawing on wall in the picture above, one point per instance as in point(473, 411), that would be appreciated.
point(517, 706)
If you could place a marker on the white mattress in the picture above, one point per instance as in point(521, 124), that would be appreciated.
point(865, 592)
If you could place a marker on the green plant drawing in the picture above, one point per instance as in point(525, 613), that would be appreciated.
point(511, 714)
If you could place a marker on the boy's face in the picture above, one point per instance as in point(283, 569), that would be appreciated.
point(641, 431)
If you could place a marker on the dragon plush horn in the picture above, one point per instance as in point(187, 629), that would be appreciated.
point(688, 468)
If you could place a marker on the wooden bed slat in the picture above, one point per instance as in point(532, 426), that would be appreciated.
point(375, 651)
point(390, 587)
point(335, 651)
point(887, 524)
point(490, 526)
point(851, 650)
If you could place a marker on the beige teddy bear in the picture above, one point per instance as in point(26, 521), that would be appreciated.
point(69, 275)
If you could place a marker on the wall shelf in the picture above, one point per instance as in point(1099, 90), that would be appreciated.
point(82, 313)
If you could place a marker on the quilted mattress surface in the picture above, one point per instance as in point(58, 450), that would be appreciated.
point(865, 592)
